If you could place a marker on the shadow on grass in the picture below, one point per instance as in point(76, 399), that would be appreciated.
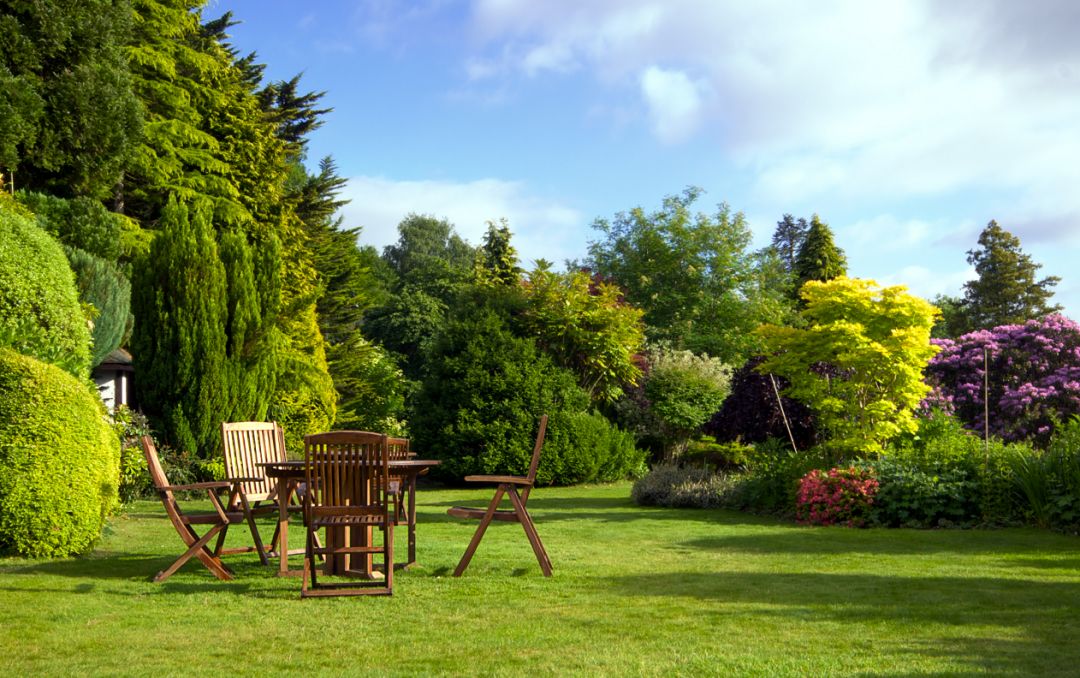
point(603, 509)
point(108, 565)
point(818, 541)
point(1041, 613)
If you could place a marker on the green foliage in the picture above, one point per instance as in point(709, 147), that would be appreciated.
point(483, 393)
point(179, 300)
point(1050, 481)
point(68, 117)
point(135, 480)
point(706, 453)
point(773, 474)
point(683, 391)
point(79, 222)
point(101, 284)
point(205, 344)
point(430, 253)
point(304, 400)
point(819, 258)
point(496, 260)
point(587, 448)
point(692, 275)
point(585, 328)
point(1006, 292)
point(875, 342)
point(40, 314)
point(59, 460)
point(788, 239)
point(370, 387)
point(676, 486)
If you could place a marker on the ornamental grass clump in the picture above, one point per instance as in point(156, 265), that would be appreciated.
point(839, 496)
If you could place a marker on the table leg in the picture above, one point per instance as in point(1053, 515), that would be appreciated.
point(412, 520)
point(283, 525)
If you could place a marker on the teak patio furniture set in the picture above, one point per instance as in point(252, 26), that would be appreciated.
point(349, 485)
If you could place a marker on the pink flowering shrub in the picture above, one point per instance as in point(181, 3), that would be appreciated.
point(840, 496)
point(1034, 377)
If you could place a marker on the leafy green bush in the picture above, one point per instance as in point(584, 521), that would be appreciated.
point(59, 460)
point(588, 448)
point(678, 486)
point(483, 393)
point(134, 476)
point(944, 475)
point(725, 456)
point(773, 473)
point(40, 315)
point(927, 495)
point(80, 222)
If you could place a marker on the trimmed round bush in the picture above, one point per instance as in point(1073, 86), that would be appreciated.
point(59, 460)
point(40, 313)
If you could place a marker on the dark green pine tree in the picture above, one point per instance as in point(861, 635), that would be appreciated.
point(819, 258)
point(1006, 292)
point(788, 238)
point(180, 298)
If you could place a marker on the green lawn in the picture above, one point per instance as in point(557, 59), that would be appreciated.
point(635, 592)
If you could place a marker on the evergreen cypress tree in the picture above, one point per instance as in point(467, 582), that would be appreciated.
point(180, 298)
point(1006, 292)
point(819, 258)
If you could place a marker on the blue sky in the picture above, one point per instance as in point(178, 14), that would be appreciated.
point(906, 125)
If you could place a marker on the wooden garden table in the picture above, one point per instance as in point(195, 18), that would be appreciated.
point(289, 474)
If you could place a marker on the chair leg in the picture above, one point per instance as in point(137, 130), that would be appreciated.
point(254, 530)
point(530, 531)
point(388, 556)
point(309, 567)
point(479, 534)
point(198, 549)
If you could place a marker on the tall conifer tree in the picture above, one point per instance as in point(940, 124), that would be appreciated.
point(1006, 292)
point(819, 258)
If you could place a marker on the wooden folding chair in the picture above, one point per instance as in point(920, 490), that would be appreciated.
point(507, 485)
point(348, 480)
point(247, 444)
point(219, 521)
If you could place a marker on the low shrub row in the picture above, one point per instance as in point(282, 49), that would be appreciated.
point(941, 476)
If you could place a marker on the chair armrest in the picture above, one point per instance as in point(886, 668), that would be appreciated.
point(215, 485)
point(247, 480)
point(512, 480)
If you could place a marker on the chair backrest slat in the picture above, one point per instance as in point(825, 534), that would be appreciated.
point(246, 445)
point(535, 457)
point(161, 482)
point(346, 468)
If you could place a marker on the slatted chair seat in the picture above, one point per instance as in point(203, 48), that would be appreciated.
point(219, 520)
point(517, 488)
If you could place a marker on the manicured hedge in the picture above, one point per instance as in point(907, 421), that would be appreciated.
point(59, 460)
point(40, 313)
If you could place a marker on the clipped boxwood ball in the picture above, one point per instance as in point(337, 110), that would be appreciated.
point(40, 313)
point(59, 460)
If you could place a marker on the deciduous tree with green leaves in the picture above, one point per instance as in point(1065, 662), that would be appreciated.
point(858, 362)
point(587, 327)
point(691, 273)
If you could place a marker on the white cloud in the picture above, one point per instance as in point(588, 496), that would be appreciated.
point(541, 228)
point(674, 102)
point(852, 101)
